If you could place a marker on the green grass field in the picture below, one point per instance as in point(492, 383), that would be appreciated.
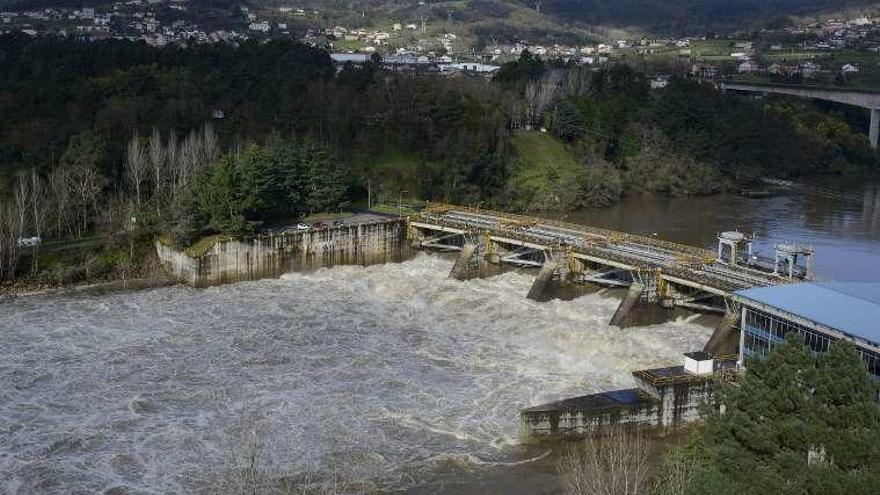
point(543, 165)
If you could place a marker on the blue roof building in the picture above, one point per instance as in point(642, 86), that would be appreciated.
point(821, 312)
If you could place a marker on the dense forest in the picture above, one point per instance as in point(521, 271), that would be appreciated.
point(123, 140)
point(687, 16)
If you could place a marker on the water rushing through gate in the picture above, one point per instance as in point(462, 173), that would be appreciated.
point(379, 373)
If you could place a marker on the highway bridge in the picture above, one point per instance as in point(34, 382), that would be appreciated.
point(653, 270)
point(848, 96)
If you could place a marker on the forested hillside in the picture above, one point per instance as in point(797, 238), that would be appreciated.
point(217, 138)
point(692, 16)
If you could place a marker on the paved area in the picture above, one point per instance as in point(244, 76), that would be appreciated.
point(358, 217)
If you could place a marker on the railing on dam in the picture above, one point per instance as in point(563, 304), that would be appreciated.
point(681, 264)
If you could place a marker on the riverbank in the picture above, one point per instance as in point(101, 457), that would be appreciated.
point(70, 274)
point(26, 289)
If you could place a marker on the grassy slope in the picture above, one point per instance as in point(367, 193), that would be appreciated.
point(543, 165)
point(390, 172)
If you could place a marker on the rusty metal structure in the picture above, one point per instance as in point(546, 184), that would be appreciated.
point(654, 270)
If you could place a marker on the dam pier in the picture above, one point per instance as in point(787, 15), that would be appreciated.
point(656, 274)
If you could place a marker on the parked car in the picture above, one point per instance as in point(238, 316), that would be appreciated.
point(320, 225)
point(29, 241)
point(338, 222)
point(302, 226)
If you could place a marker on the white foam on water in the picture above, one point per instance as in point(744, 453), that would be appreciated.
point(371, 371)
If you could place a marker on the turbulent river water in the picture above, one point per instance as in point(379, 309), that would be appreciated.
point(390, 374)
point(381, 373)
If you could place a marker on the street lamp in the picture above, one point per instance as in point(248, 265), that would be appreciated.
point(399, 202)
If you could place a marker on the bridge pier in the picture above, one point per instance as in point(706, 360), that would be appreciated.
point(725, 339)
point(475, 261)
point(541, 288)
point(633, 296)
point(461, 270)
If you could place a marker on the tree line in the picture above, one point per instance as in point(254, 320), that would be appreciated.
point(95, 134)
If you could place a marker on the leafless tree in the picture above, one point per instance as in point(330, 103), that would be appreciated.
point(578, 81)
point(158, 162)
point(615, 462)
point(539, 94)
point(22, 203)
point(9, 234)
point(676, 473)
point(87, 184)
point(211, 148)
point(62, 197)
point(136, 168)
point(75, 191)
point(39, 208)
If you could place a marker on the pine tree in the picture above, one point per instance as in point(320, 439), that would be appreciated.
point(798, 423)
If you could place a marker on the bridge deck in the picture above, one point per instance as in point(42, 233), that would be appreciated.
point(683, 264)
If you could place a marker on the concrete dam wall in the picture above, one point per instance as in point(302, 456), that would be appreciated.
point(235, 259)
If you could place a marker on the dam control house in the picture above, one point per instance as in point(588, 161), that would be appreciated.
point(821, 312)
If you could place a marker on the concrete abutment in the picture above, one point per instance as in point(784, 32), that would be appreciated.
point(270, 255)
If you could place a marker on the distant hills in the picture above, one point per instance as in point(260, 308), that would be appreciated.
point(674, 17)
point(688, 15)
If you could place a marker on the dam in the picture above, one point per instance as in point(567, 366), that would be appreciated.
point(569, 258)
point(658, 277)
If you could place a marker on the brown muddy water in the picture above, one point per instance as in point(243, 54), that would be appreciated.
point(391, 374)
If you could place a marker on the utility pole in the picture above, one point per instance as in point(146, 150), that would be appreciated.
point(400, 202)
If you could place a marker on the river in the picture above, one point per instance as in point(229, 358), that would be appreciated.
point(839, 218)
point(392, 374)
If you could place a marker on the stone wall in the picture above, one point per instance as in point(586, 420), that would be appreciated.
point(662, 404)
point(273, 254)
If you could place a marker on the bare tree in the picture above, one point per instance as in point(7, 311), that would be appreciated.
point(62, 196)
point(676, 473)
point(157, 155)
point(211, 148)
point(540, 94)
point(87, 184)
point(39, 209)
point(9, 234)
point(22, 202)
point(615, 462)
point(136, 168)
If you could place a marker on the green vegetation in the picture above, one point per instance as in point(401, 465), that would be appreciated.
point(109, 138)
point(204, 245)
point(711, 49)
point(799, 423)
point(543, 168)
point(389, 172)
point(282, 178)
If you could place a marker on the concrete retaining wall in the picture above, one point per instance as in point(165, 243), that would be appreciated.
point(271, 255)
point(581, 417)
point(664, 404)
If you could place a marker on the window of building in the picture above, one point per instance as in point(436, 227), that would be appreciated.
point(761, 331)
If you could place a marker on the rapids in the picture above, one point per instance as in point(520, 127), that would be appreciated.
point(375, 373)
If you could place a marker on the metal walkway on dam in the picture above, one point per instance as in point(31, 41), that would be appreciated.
point(655, 271)
point(686, 265)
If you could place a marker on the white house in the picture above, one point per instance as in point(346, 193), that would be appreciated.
point(659, 82)
point(748, 67)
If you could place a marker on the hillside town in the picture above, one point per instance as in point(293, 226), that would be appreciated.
point(834, 50)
